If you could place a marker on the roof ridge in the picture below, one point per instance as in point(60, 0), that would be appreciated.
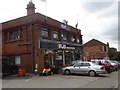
point(93, 42)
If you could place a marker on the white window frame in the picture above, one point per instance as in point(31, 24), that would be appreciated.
point(14, 35)
point(45, 32)
point(17, 60)
point(55, 35)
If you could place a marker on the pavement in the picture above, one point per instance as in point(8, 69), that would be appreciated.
point(61, 81)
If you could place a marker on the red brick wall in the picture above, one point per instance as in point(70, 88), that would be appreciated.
point(12, 48)
point(26, 62)
point(93, 52)
point(38, 53)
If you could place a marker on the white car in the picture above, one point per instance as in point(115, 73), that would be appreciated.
point(84, 68)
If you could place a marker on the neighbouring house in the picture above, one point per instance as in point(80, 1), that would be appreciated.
point(95, 49)
point(31, 40)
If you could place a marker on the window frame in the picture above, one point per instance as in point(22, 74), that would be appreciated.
point(74, 38)
point(78, 65)
point(67, 37)
point(43, 32)
point(14, 35)
point(78, 38)
point(85, 64)
point(17, 60)
point(55, 32)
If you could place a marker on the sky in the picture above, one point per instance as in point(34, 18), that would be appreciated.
point(96, 19)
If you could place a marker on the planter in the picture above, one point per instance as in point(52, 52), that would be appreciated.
point(21, 72)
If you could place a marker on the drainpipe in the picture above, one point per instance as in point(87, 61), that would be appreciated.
point(63, 58)
point(33, 62)
point(52, 61)
point(73, 56)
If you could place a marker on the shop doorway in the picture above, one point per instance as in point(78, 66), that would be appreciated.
point(48, 56)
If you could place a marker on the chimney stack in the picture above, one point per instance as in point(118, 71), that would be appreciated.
point(30, 8)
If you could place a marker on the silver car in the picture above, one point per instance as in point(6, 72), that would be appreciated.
point(84, 68)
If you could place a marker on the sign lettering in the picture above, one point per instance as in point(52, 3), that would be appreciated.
point(63, 46)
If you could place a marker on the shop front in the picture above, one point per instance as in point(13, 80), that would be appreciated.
point(60, 54)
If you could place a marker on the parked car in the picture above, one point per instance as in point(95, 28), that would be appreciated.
point(107, 66)
point(118, 63)
point(113, 64)
point(85, 68)
point(8, 67)
point(76, 61)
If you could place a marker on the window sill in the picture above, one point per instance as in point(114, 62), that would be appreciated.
point(56, 39)
point(12, 41)
point(43, 37)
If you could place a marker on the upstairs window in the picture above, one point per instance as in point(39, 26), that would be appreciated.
point(78, 40)
point(73, 38)
point(65, 37)
point(105, 48)
point(45, 33)
point(14, 35)
point(55, 35)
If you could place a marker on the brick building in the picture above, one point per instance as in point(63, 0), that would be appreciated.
point(31, 40)
point(95, 49)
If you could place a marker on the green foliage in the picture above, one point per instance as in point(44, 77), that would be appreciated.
point(114, 54)
point(118, 56)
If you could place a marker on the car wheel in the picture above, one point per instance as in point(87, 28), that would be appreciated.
point(67, 72)
point(111, 69)
point(46, 74)
point(92, 73)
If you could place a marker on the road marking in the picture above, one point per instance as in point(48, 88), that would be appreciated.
point(27, 80)
point(31, 78)
point(116, 86)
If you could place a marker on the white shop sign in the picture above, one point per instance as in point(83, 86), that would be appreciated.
point(64, 46)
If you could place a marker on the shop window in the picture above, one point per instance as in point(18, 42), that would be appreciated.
point(59, 57)
point(65, 37)
point(15, 35)
point(55, 35)
point(73, 38)
point(17, 60)
point(45, 33)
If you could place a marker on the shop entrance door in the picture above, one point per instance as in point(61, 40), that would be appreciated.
point(49, 57)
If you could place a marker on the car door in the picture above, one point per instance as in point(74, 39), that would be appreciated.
point(77, 68)
point(85, 67)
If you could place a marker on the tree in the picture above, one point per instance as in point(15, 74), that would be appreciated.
point(113, 53)
point(118, 56)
